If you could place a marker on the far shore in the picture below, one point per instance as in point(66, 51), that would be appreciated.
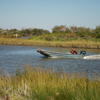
point(75, 43)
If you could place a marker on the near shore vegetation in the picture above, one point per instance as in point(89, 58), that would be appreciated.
point(61, 36)
point(37, 83)
point(80, 43)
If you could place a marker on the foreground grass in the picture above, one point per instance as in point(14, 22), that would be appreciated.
point(45, 84)
point(74, 43)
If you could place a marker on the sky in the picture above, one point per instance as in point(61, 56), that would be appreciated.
point(45, 14)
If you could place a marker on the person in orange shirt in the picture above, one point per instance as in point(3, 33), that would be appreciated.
point(72, 50)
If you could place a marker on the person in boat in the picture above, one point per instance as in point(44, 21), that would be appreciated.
point(73, 51)
point(40, 49)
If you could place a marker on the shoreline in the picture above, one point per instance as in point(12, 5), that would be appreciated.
point(66, 44)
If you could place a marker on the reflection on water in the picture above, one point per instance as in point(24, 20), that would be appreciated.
point(13, 57)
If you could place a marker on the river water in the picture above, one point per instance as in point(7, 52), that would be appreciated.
point(13, 57)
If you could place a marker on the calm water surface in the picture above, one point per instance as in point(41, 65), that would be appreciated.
point(13, 57)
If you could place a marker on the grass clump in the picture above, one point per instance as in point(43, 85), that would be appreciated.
point(45, 84)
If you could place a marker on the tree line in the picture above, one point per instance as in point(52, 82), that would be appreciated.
point(72, 30)
point(24, 32)
point(78, 31)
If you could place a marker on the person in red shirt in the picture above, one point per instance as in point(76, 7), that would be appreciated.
point(73, 51)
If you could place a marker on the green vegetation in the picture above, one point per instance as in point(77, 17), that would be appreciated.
point(61, 36)
point(63, 33)
point(24, 32)
point(59, 33)
point(80, 43)
point(45, 84)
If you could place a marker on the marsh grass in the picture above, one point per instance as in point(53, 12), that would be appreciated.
point(9, 36)
point(29, 42)
point(46, 84)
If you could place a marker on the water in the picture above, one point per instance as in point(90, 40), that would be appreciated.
point(13, 57)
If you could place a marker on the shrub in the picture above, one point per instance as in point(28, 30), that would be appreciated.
point(82, 35)
point(49, 38)
point(98, 36)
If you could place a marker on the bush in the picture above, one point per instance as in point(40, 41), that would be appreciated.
point(49, 38)
point(82, 35)
point(98, 36)
point(42, 37)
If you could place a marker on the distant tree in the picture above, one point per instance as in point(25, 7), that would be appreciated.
point(37, 32)
point(21, 33)
point(73, 29)
point(0, 31)
point(27, 31)
point(97, 29)
point(55, 29)
point(98, 35)
point(45, 32)
point(60, 28)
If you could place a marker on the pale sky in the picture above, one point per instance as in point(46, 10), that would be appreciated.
point(45, 14)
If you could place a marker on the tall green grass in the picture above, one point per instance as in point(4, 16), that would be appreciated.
point(46, 84)
point(74, 43)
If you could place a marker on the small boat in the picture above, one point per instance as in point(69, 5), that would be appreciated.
point(61, 55)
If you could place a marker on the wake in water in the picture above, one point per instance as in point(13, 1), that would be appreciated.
point(86, 57)
point(54, 57)
point(92, 57)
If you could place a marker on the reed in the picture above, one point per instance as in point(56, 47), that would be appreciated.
point(45, 84)
point(30, 42)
